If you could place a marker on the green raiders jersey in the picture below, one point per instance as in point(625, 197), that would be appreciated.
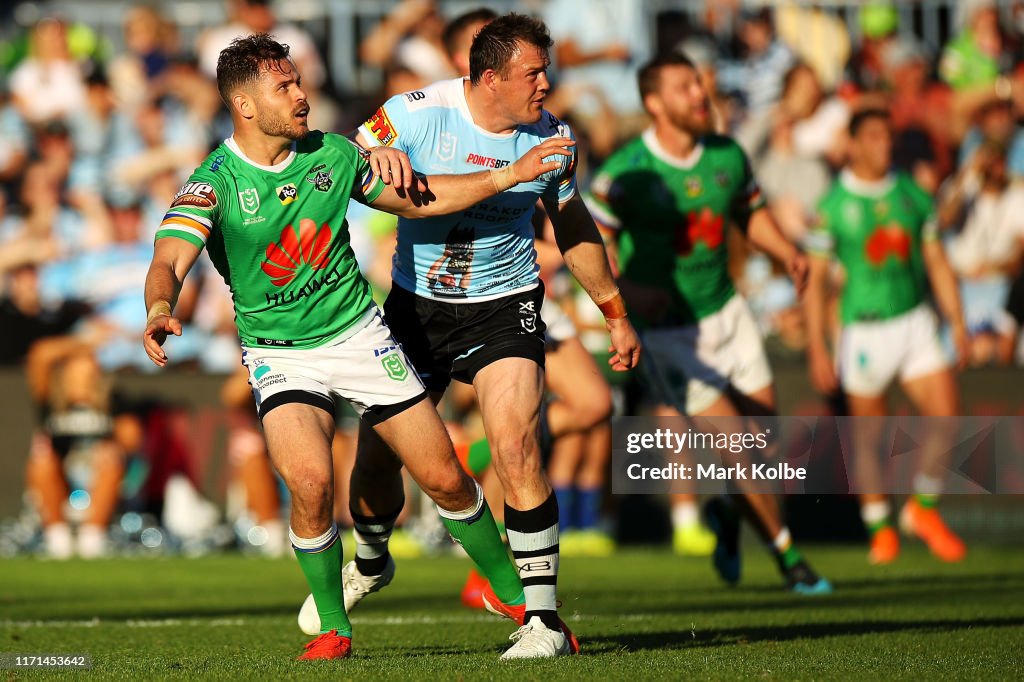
point(875, 230)
point(278, 236)
point(671, 215)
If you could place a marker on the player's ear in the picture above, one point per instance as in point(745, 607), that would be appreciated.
point(242, 103)
point(490, 79)
point(653, 104)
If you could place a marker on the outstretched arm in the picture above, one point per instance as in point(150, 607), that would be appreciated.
point(764, 234)
point(583, 250)
point(172, 259)
point(823, 375)
point(446, 194)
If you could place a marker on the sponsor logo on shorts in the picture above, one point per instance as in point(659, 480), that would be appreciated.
point(249, 200)
point(528, 316)
point(195, 195)
point(394, 366)
point(381, 128)
point(384, 351)
point(262, 372)
point(287, 193)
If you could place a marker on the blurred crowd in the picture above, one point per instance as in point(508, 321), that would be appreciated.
point(97, 134)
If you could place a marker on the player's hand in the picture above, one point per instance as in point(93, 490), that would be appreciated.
point(823, 372)
point(625, 345)
point(798, 269)
point(532, 164)
point(394, 168)
point(156, 333)
point(962, 344)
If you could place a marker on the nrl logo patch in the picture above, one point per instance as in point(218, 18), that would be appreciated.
point(250, 200)
point(394, 366)
point(322, 181)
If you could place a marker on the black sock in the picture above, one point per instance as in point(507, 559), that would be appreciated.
point(372, 534)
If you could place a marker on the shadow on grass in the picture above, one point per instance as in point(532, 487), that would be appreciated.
point(685, 639)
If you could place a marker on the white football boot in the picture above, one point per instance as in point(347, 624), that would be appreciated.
point(536, 640)
point(355, 585)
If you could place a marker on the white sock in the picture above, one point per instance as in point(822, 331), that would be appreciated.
point(874, 513)
point(685, 515)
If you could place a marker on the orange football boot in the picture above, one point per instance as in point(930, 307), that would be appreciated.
point(928, 525)
point(327, 646)
point(885, 546)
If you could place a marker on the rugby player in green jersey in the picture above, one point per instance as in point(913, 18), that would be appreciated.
point(269, 206)
point(882, 229)
point(668, 196)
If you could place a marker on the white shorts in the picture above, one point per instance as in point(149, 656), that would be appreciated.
point(365, 366)
point(559, 325)
point(872, 354)
point(690, 367)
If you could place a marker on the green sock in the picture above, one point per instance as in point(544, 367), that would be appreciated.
point(790, 557)
point(323, 573)
point(877, 526)
point(482, 543)
point(479, 457)
point(926, 501)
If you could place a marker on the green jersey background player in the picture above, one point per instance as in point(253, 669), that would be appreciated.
point(882, 229)
point(269, 205)
point(669, 197)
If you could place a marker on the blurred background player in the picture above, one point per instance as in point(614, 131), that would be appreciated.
point(75, 444)
point(669, 196)
point(882, 229)
point(250, 464)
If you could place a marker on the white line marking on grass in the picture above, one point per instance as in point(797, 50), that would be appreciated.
point(241, 622)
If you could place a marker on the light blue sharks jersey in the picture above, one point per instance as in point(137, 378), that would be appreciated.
point(486, 251)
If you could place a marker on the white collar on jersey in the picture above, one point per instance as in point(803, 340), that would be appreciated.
point(684, 163)
point(276, 168)
point(868, 188)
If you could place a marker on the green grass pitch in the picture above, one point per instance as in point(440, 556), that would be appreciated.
point(639, 615)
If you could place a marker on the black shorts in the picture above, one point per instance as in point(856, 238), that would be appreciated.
point(448, 341)
point(1015, 300)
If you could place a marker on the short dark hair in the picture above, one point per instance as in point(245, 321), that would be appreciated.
point(460, 23)
point(239, 63)
point(495, 45)
point(861, 117)
point(650, 73)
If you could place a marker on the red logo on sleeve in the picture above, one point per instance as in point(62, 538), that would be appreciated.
point(381, 127)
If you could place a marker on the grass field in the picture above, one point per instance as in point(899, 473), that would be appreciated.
point(639, 615)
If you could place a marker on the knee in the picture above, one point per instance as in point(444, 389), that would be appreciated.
point(375, 464)
point(451, 489)
point(517, 457)
point(311, 488)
